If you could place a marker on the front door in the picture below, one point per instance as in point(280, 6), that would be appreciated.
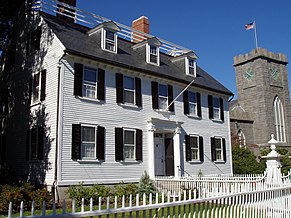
point(159, 154)
point(169, 154)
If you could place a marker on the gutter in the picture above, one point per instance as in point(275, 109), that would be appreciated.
point(55, 185)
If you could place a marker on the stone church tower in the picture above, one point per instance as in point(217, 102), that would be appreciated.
point(263, 104)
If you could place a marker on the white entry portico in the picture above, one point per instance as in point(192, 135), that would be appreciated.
point(164, 147)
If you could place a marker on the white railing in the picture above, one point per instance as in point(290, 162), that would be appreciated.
point(270, 202)
point(91, 20)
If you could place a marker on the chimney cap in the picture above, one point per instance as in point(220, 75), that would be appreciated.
point(141, 17)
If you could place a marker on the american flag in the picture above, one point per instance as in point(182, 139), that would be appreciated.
point(249, 26)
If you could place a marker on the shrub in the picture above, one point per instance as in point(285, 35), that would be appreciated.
point(126, 190)
point(146, 185)
point(24, 192)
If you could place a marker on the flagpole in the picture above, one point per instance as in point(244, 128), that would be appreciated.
point(256, 37)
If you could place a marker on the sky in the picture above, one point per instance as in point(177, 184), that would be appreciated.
point(214, 30)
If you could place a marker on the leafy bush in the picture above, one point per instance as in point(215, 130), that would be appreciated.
point(79, 191)
point(244, 161)
point(126, 190)
point(26, 193)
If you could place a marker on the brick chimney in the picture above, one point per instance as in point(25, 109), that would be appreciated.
point(141, 24)
point(66, 11)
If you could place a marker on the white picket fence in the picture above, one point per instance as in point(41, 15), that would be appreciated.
point(207, 185)
point(267, 202)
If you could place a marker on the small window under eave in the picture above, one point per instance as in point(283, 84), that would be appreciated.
point(186, 61)
point(108, 35)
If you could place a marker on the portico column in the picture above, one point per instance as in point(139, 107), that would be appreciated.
point(177, 155)
point(151, 155)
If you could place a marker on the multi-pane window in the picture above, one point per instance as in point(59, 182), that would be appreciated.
point(192, 103)
point(36, 84)
point(218, 149)
point(88, 142)
point(129, 144)
point(191, 67)
point(90, 82)
point(279, 120)
point(110, 41)
point(129, 89)
point(153, 54)
point(216, 108)
point(163, 97)
point(35, 139)
point(194, 144)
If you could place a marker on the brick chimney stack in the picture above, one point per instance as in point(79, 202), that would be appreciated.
point(141, 24)
point(67, 11)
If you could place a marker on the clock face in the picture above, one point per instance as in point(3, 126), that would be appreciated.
point(274, 72)
point(249, 74)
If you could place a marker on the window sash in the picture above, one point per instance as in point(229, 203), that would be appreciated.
point(36, 87)
point(192, 103)
point(89, 86)
point(191, 68)
point(152, 54)
point(110, 40)
point(218, 149)
point(88, 142)
point(129, 90)
point(129, 144)
point(194, 145)
point(33, 144)
point(216, 108)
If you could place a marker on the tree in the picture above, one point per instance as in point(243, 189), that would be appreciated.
point(244, 161)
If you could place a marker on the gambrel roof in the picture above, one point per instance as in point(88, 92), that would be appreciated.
point(76, 41)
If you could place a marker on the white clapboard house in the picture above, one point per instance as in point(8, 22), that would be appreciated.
point(100, 102)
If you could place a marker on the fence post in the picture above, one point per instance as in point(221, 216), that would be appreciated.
point(10, 210)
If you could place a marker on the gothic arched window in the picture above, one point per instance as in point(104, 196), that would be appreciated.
point(279, 120)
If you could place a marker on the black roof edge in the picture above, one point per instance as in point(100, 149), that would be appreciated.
point(261, 57)
point(142, 70)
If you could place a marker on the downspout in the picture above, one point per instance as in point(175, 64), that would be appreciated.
point(54, 186)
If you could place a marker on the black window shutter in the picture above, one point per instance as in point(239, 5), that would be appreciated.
point(40, 143)
point(119, 144)
point(201, 149)
point(119, 88)
point(27, 144)
point(138, 151)
point(155, 95)
point(6, 101)
point(43, 85)
point(76, 141)
point(37, 38)
point(186, 102)
point(30, 90)
point(78, 79)
point(188, 147)
point(2, 148)
point(210, 106)
point(221, 109)
point(198, 104)
point(170, 98)
point(101, 85)
point(100, 151)
point(224, 149)
point(138, 98)
point(213, 150)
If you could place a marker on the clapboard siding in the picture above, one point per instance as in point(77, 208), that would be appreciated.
point(109, 114)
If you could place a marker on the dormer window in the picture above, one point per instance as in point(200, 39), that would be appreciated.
point(109, 40)
point(190, 67)
point(153, 54)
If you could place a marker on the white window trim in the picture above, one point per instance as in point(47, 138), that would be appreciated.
point(160, 96)
point(33, 102)
point(279, 120)
point(83, 82)
point(187, 66)
point(95, 142)
point(134, 145)
point(198, 149)
point(221, 150)
point(103, 41)
point(215, 108)
point(193, 103)
point(125, 89)
point(148, 54)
